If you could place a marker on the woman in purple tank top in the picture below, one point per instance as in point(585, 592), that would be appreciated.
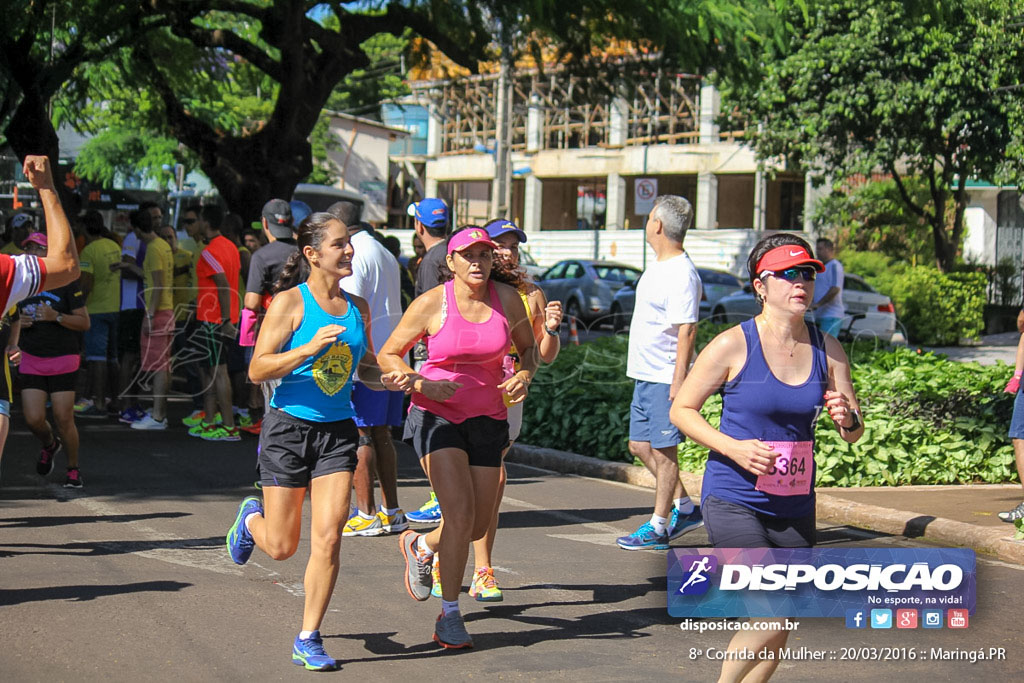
point(776, 373)
point(458, 419)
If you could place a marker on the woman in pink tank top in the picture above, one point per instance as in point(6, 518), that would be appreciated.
point(457, 422)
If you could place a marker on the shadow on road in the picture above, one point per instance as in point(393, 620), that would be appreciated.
point(525, 519)
point(83, 593)
point(38, 522)
point(628, 623)
point(101, 548)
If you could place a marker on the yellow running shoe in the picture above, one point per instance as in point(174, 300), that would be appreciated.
point(393, 524)
point(357, 525)
point(435, 571)
point(485, 587)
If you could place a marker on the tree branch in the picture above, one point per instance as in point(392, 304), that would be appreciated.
point(187, 128)
point(231, 41)
point(919, 210)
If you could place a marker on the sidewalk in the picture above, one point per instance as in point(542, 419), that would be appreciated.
point(962, 515)
point(994, 347)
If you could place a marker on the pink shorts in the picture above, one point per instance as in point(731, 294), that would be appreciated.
point(156, 345)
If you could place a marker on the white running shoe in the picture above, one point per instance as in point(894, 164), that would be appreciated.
point(149, 423)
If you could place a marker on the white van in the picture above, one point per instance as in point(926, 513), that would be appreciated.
point(319, 197)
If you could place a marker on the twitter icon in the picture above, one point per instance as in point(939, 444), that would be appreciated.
point(881, 618)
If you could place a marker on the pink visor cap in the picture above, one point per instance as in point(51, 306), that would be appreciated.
point(468, 237)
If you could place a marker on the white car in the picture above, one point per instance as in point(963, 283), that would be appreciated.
point(869, 314)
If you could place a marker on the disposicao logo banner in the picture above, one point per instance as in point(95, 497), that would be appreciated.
point(817, 582)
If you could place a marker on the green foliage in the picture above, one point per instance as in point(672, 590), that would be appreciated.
point(872, 217)
point(908, 88)
point(117, 152)
point(580, 403)
point(938, 309)
point(928, 420)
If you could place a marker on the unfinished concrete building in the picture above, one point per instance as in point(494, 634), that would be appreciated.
point(575, 161)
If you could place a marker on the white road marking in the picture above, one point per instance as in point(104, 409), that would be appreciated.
point(566, 517)
point(173, 549)
point(606, 540)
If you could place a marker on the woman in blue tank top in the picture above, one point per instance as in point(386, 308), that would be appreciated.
point(776, 373)
point(312, 338)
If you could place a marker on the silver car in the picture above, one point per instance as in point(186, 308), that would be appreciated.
point(586, 287)
point(527, 263)
point(714, 283)
point(869, 314)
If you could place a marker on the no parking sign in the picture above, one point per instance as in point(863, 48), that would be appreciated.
point(644, 192)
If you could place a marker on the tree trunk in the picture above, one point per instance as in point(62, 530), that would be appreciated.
point(252, 170)
point(31, 131)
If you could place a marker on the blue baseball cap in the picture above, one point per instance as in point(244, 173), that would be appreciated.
point(300, 210)
point(432, 213)
point(501, 226)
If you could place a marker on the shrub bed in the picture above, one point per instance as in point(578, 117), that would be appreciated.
point(928, 420)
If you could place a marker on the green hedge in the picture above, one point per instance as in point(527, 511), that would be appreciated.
point(927, 420)
point(937, 309)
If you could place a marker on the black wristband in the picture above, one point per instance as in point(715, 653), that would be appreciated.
point(856, 422)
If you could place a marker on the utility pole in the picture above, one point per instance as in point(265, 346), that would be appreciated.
point(501, 188)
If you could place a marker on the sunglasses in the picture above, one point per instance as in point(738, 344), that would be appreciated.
point(793, 274)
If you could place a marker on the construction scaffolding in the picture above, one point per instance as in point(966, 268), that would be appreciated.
point(657, 108)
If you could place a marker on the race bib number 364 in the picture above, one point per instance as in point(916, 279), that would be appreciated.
point(793, 470)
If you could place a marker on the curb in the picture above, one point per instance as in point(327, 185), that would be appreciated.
point(829, 508)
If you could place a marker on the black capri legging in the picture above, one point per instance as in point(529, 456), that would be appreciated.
point(731, 525)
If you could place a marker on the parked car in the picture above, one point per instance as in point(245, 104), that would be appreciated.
point(715, 284)
point(872, 312)
point(586, 287)
point(528, 264)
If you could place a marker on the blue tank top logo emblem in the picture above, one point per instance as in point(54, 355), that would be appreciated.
point(332, 370)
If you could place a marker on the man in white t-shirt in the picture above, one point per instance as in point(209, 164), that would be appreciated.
point(376, 278)
point(828, 290)
point(661, 340)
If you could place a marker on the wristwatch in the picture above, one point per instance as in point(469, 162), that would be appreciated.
point(553, 333)
point(60, 318)
point(856, 422)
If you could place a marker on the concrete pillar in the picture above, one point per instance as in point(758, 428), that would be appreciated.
point(618, 122)
point(760, 199)
point(707, 201)
point(434, 124)
point(710, 106)
point(615, 202)
point(811, 196)
point(534, 125)
point(430, 187)
point(533, 203)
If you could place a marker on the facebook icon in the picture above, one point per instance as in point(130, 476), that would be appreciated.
point(856, 618)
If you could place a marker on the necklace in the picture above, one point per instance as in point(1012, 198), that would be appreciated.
point(796, 342)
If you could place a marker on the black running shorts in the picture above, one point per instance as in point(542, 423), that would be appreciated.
point(482, 438)
point(731, 525)
point(294, 451)
point(51, 384)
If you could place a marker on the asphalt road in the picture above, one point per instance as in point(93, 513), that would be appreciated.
point(129, 579)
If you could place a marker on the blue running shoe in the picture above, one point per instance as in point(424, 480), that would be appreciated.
point(429, 513)
point(130, 415)
point(239, 540)
point(644, 538)
point(679, 524)
point(310, 654)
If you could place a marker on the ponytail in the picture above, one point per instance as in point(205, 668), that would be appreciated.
point(310, 233)
point(294, 271)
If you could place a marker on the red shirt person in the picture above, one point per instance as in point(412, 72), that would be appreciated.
point(217, 309)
